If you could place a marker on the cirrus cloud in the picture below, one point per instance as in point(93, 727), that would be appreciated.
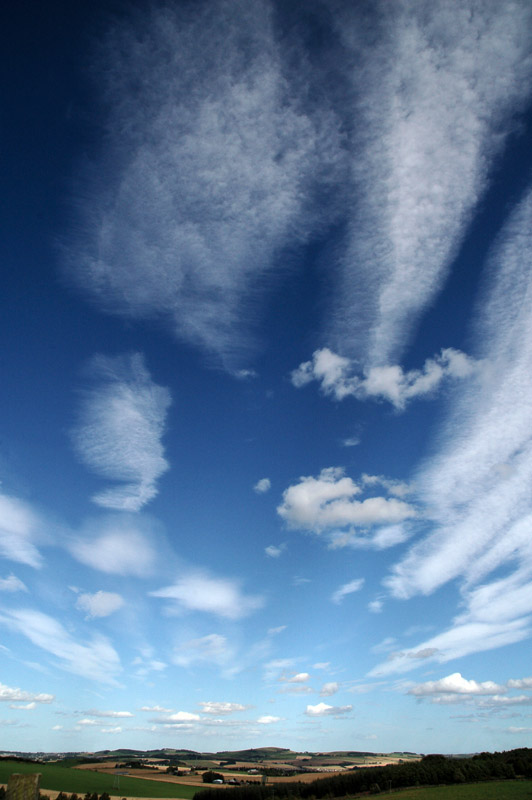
point(202, 592)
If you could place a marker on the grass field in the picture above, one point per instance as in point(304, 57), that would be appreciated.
point(489, 790)
point(73, 780)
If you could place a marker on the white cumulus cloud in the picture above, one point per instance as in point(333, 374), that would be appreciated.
point(456, 684)
point(8, 694)
point(328, 502)
point(337, 377)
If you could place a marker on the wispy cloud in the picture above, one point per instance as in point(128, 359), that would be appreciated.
point(206, 172)
point(96, 660)
point(18, 529)
point(121, 422)
point(12, 584)
point(328, 689)
point(202, 592)
point(99, 604)
point(347, 588)
point(210, 649)
point(328, 502)
point(478, 486)
point(325, 710)
point(111, 714)
point(337, 377)
point(118, 544)
point(436, 96)
point(217, 708)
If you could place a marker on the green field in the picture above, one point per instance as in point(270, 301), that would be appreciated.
point(81, 781)
point(488, 790)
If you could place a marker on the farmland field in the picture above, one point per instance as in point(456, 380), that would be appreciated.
point(72, 780)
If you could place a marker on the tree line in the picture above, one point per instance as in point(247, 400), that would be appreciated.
point(429, 771)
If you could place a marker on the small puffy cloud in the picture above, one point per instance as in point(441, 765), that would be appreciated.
point(100, 604)
point(376, 606)
point(336, 376)
point(328, 689)
point(119, 545)
point(118, 729)
point(12, 584)
point(268, 720)
point(7, 694)
point(201, 592)
point(328, 502)
point(347, 588)
point(24, 706)
point(183, 716)
point(456, 684)
point(218, 709)
point(519, 683)
point(325, 710)
point(157, 709)
point(274, 551)
point(262, 486)
point(87, 721)
point(299, 677)
point(18, 530)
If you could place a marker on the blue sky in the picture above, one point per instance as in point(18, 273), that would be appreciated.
point(265, 448)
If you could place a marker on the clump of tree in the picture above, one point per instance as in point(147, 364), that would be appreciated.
point(210, 776)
